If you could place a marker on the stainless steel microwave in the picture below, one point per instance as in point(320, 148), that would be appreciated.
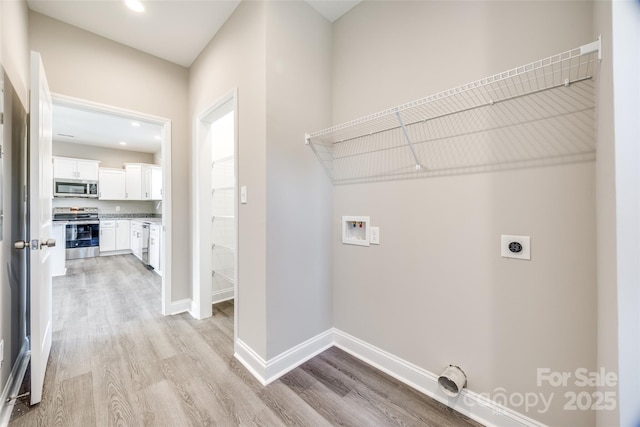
point(73, 188)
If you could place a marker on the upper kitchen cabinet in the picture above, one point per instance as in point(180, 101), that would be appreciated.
point(152, 183)
point(69, 168)
point(143, 181)
point(112, 184)
point(133, 181)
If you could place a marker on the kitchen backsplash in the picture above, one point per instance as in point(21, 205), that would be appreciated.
point(106, 207)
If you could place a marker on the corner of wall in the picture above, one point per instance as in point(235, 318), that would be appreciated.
point(607, 328)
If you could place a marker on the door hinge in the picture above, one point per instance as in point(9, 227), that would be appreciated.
point(1, 152)
point(1, 118)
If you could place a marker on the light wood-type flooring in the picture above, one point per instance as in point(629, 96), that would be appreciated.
point(116, 361)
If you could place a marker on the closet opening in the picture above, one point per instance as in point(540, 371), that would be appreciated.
point(215, 277)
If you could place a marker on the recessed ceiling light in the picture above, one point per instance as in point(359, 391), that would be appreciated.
point(135, 5)
point(158, 137)
point(123, 143)
point(135, 124)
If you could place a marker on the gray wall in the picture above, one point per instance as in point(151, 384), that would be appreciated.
point(14, 57)
point(299, 195)
point(83, 65)
point(109, 157)
point(436, 290)
point(285, 236)
point(235, 58)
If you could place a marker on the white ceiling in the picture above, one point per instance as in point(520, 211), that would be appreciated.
point(174, 30)
point(104, 130)
point(332, 9)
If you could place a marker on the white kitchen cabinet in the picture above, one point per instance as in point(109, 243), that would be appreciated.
point(70, 168)
point(123, 234)
point(107, 236)
point(133, 181)
point(140, 240)
point(135, 241)
point(58, 252)
point(114, 235)
point(152, 182)
point(112, 184)
point(154, 246)
point(143, 181)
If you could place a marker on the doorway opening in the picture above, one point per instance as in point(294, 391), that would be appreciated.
point(142, 152)
point(215, 208)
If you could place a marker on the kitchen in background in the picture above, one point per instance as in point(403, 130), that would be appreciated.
point(107, 187)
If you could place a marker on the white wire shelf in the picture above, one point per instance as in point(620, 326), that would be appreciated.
point(537, 114)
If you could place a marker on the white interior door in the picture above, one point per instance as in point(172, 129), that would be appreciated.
point(40, 230)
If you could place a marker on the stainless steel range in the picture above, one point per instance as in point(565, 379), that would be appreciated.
point(82, 231)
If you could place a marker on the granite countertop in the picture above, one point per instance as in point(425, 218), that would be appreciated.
point(130, 216)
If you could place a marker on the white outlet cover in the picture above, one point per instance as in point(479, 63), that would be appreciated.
point(518, 247)
point(374, 235)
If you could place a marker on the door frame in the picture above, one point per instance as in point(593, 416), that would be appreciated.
point(201, 304)
point(166, 249)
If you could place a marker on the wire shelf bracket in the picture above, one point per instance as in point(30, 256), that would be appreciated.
point(538, 113)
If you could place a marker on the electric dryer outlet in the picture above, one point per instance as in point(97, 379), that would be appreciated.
point(518, 247)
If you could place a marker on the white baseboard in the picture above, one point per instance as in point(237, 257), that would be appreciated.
point(471, 404)
point(251, 360)
point(222, 295)
point(13, 384)
point(268, 371)
point(119, 252)
point(179, 306)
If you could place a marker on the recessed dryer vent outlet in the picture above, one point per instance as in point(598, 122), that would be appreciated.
point(355, 230)
point(518, 247)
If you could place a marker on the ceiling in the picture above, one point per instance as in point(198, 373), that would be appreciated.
point(99, 129)
point(174, 30)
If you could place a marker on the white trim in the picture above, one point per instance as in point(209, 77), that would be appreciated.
point(268, 371)
point(251, 360)
point(118, 252)
point(201, 270)
point(471, 404)
point(166, 238)
point(179, 306)
point(165, 256)
point(12, 386)
point(222, 295)
point(296, 356)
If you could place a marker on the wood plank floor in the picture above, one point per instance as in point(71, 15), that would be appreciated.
point(116, 361)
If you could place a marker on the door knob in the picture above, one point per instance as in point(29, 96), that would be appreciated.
point(21, 244)
point(50, 243)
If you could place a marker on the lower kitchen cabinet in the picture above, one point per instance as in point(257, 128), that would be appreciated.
point(58, 252)
point(154, 247)
point(123, 236)
point(107, 236)
point(114, 236)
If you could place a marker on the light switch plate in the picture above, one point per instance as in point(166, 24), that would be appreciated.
point(243, 194)
point(518, 247)
point(374, 235)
